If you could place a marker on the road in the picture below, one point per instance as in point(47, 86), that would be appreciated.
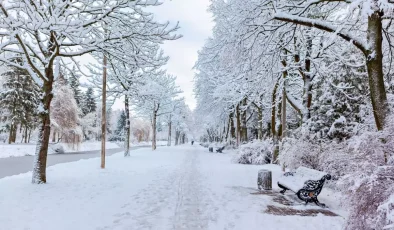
point(16, 165)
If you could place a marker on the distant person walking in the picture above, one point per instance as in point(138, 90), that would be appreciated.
point(192, 142)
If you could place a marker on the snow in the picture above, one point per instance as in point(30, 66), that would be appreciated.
point(302, 174)
point(146, 143)
point(388, 209)
point(18, 150)
point(181, 187)
point(89, 146)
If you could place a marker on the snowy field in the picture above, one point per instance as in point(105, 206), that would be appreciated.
point(172, 188)
point(17, 150)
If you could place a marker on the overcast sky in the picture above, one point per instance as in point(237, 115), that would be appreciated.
point(196, 26)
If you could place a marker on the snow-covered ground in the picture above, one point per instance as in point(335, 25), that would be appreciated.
point(181, 187)
point(89, 146)
point(17, 150)
point(145, 143)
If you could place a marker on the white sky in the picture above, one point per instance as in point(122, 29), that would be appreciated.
point(196, 26)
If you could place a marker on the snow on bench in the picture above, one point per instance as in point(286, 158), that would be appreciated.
point(306, 183)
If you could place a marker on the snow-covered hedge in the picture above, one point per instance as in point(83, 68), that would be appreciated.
point(256, 153)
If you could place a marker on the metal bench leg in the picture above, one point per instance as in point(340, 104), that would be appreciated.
point(319, 204)
point(284, 189)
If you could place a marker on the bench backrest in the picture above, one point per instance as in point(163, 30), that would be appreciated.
point(309, 174)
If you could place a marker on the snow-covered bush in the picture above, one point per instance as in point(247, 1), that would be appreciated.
point(256, 153)
point(365, 167)
point(56, 148)
point(372, 206)
point(386, 213)
point(300, 152)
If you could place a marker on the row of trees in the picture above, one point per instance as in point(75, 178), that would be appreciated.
point(41, 38)
point(309, 77)
point(279, 65)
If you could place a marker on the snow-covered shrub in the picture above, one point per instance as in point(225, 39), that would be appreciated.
point(365, 167)
point(257, 153)
point(360, 155)
point(372, 206)
point(300, 152)
point(56, 148)
point(386, 213)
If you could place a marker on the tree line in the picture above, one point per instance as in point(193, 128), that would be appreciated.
point(311, 84)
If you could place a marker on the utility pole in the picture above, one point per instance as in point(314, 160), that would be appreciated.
point(104, 112)
point(104, 107)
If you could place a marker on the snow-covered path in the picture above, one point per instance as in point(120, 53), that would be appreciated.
point(171, 188)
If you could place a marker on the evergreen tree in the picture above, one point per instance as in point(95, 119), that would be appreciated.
point(74, 84)
point(19, 99)
point(119, 133)
point(89, 104)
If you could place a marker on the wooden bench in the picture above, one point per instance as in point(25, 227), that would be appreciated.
point(306, 183)
point(219, 150)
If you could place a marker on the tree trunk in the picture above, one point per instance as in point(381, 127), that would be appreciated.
point(104, 112)
point(14, 132)
point(177, 134)
point(244, 129)
point(307, 101)
point(279, 118)
point(275, 133)
point(169, 132)
point(260, 117)
point(127, 127)
point(11, 133)
point(375, 69)
point(28, 141)
point(232, 128)
point(238, 125)
point(284, 98)
point(54, 136)
point(26, 134)
point(40, 158)
point(228, 130)
point(283, 114)
point(273, 109)
point(154, 127)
